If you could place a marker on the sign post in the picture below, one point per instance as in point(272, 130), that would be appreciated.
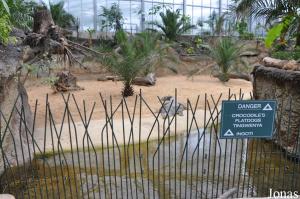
point(248, 119)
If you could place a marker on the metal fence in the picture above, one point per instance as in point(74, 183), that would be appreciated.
point(121, 153)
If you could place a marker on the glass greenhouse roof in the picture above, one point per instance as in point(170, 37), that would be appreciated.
point(87, 11)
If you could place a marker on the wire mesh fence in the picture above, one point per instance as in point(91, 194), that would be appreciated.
point(168, 150)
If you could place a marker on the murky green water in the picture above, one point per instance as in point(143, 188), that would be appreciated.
point(174, 167)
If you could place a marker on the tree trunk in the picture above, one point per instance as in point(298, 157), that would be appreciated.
point(281, 64)
point(127, 90)
point(42, 21)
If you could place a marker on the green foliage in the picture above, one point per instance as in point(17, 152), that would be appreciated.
point(274, 12)
point(5, 28)
point(21, 13)
point(273, 34)
point(190, 50)
point(247, 36)
point(241, 27)
point(113, 17)
point(225, 53)
point(60, 16)
point(50, 80)
point(31, 69)
point(105, 45)
point(126, 64)
point(4, 7)
point(158, 8)
point(134, 56)
point(276, 31)
point(198, 42)
point(91, 32)
point(287, 55)
point(173, 24)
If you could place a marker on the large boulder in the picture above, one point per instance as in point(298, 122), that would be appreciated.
point(15, 114)
point(284, 86)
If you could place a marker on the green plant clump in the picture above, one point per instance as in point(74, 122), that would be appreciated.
point(60, 16)
point(287, 55)
point(134, 55)
point(274, 13)
point(5, 28)
point(225, 53)
point(173, 24)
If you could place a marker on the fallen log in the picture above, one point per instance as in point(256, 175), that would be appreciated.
point(149, 80)
point(281, 64)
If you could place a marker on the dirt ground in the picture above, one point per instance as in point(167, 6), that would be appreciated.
point(186, 89)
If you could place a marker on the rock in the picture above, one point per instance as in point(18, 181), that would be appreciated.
point(170, 108)
point(16, 117)
point(66, 81)
point(249, 54)
point(149, 80)
point(6, 196)
point(283, 86)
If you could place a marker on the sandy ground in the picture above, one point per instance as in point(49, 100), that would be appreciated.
point(98, 131)
point(186, 89)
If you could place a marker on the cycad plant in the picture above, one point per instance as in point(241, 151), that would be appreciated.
point(225, 53)
point(173, 24)
point(60, 16)
point(134, 55)
point(154, 52)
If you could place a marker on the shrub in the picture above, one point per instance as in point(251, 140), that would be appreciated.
point(5, 28)
point(287, 55)
point(225, 53)
point(132, 57)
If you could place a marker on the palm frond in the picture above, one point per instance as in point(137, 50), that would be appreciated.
point(5, 5)
point(173, 24)
point(60, 16)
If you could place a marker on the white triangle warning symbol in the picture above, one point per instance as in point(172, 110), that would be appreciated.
point(229, 133)
point(268, 108)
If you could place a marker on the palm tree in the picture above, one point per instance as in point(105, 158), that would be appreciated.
point(225, 53)
point(274, 11)
point(133, 56)
point(60, 16)
point(173, 24)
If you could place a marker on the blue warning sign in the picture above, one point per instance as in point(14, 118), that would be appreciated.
point(248, 119)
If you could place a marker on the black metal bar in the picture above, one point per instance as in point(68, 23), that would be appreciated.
point(221, 165)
